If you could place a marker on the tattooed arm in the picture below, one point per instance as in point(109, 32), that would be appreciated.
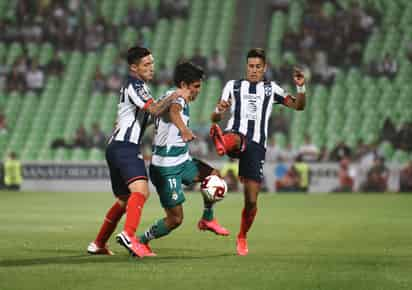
point(158, 108)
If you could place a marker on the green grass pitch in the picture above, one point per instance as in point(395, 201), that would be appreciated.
point(305, 242)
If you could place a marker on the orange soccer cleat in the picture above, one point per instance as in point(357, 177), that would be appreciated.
point(241, 246)
point(213, 226)
point(148, 250)
point(131, 244)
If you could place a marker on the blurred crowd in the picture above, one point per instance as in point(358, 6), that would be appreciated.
point(80, 25)
point(365, 164)
point(25, 74)
point(399, 138)
point(331, 38)
point(366, 159)
point(292, 165)
point(83, 139)
point(72, 25)
point(214, 66)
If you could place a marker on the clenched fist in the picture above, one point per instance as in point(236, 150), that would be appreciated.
point(298, 77)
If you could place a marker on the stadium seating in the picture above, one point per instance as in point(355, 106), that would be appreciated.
point(353, 107)
point(356, 105)
point(65, 104)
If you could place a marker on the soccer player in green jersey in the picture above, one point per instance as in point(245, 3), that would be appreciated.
point(172, 165)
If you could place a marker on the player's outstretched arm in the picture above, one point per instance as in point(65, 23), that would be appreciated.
point(176, 119)
point(221, 107)
point(297, 102)
point(158, 108)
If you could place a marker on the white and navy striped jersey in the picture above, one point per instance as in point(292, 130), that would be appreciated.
point(169, 149)
point(131, 116)
point(251, 107)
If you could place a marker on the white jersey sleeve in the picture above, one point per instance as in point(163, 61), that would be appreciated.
point(227, 91)
point(180, 101)
point(279, 94)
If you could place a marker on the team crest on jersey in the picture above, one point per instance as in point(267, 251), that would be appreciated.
point(142, 92)
point(174, 196)
point(236, 90)
point(268, 91)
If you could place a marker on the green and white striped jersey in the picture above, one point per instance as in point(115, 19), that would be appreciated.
point(169, 149)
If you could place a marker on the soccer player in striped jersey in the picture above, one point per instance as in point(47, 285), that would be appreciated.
point(127, 169)
point(250, 102)
point(172, 166)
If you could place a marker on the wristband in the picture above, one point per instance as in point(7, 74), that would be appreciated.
point(301, 89)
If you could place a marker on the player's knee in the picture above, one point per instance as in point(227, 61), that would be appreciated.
point(122, 200)
point(140, 186)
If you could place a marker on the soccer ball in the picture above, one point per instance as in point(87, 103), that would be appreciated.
point(213, 188)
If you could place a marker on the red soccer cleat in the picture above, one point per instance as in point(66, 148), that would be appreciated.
point(241, 246)
point(93, 249)
point(213, 226)
point(217, 136)
point(148, 250)
point(131, 244)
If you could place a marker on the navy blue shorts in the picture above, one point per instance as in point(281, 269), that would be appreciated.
point(124, 165)
point(251, 162)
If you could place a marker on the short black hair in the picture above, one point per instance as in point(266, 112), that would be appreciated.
point(134, 54)
point(188, 73)
point(257, 52)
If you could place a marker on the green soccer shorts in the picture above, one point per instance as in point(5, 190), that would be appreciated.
point(168, 181)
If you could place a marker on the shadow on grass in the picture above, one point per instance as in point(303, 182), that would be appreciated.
point(172, 255)
point(167, 256)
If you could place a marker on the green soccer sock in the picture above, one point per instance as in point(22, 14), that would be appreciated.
point(208, 213)
point(157, 230)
